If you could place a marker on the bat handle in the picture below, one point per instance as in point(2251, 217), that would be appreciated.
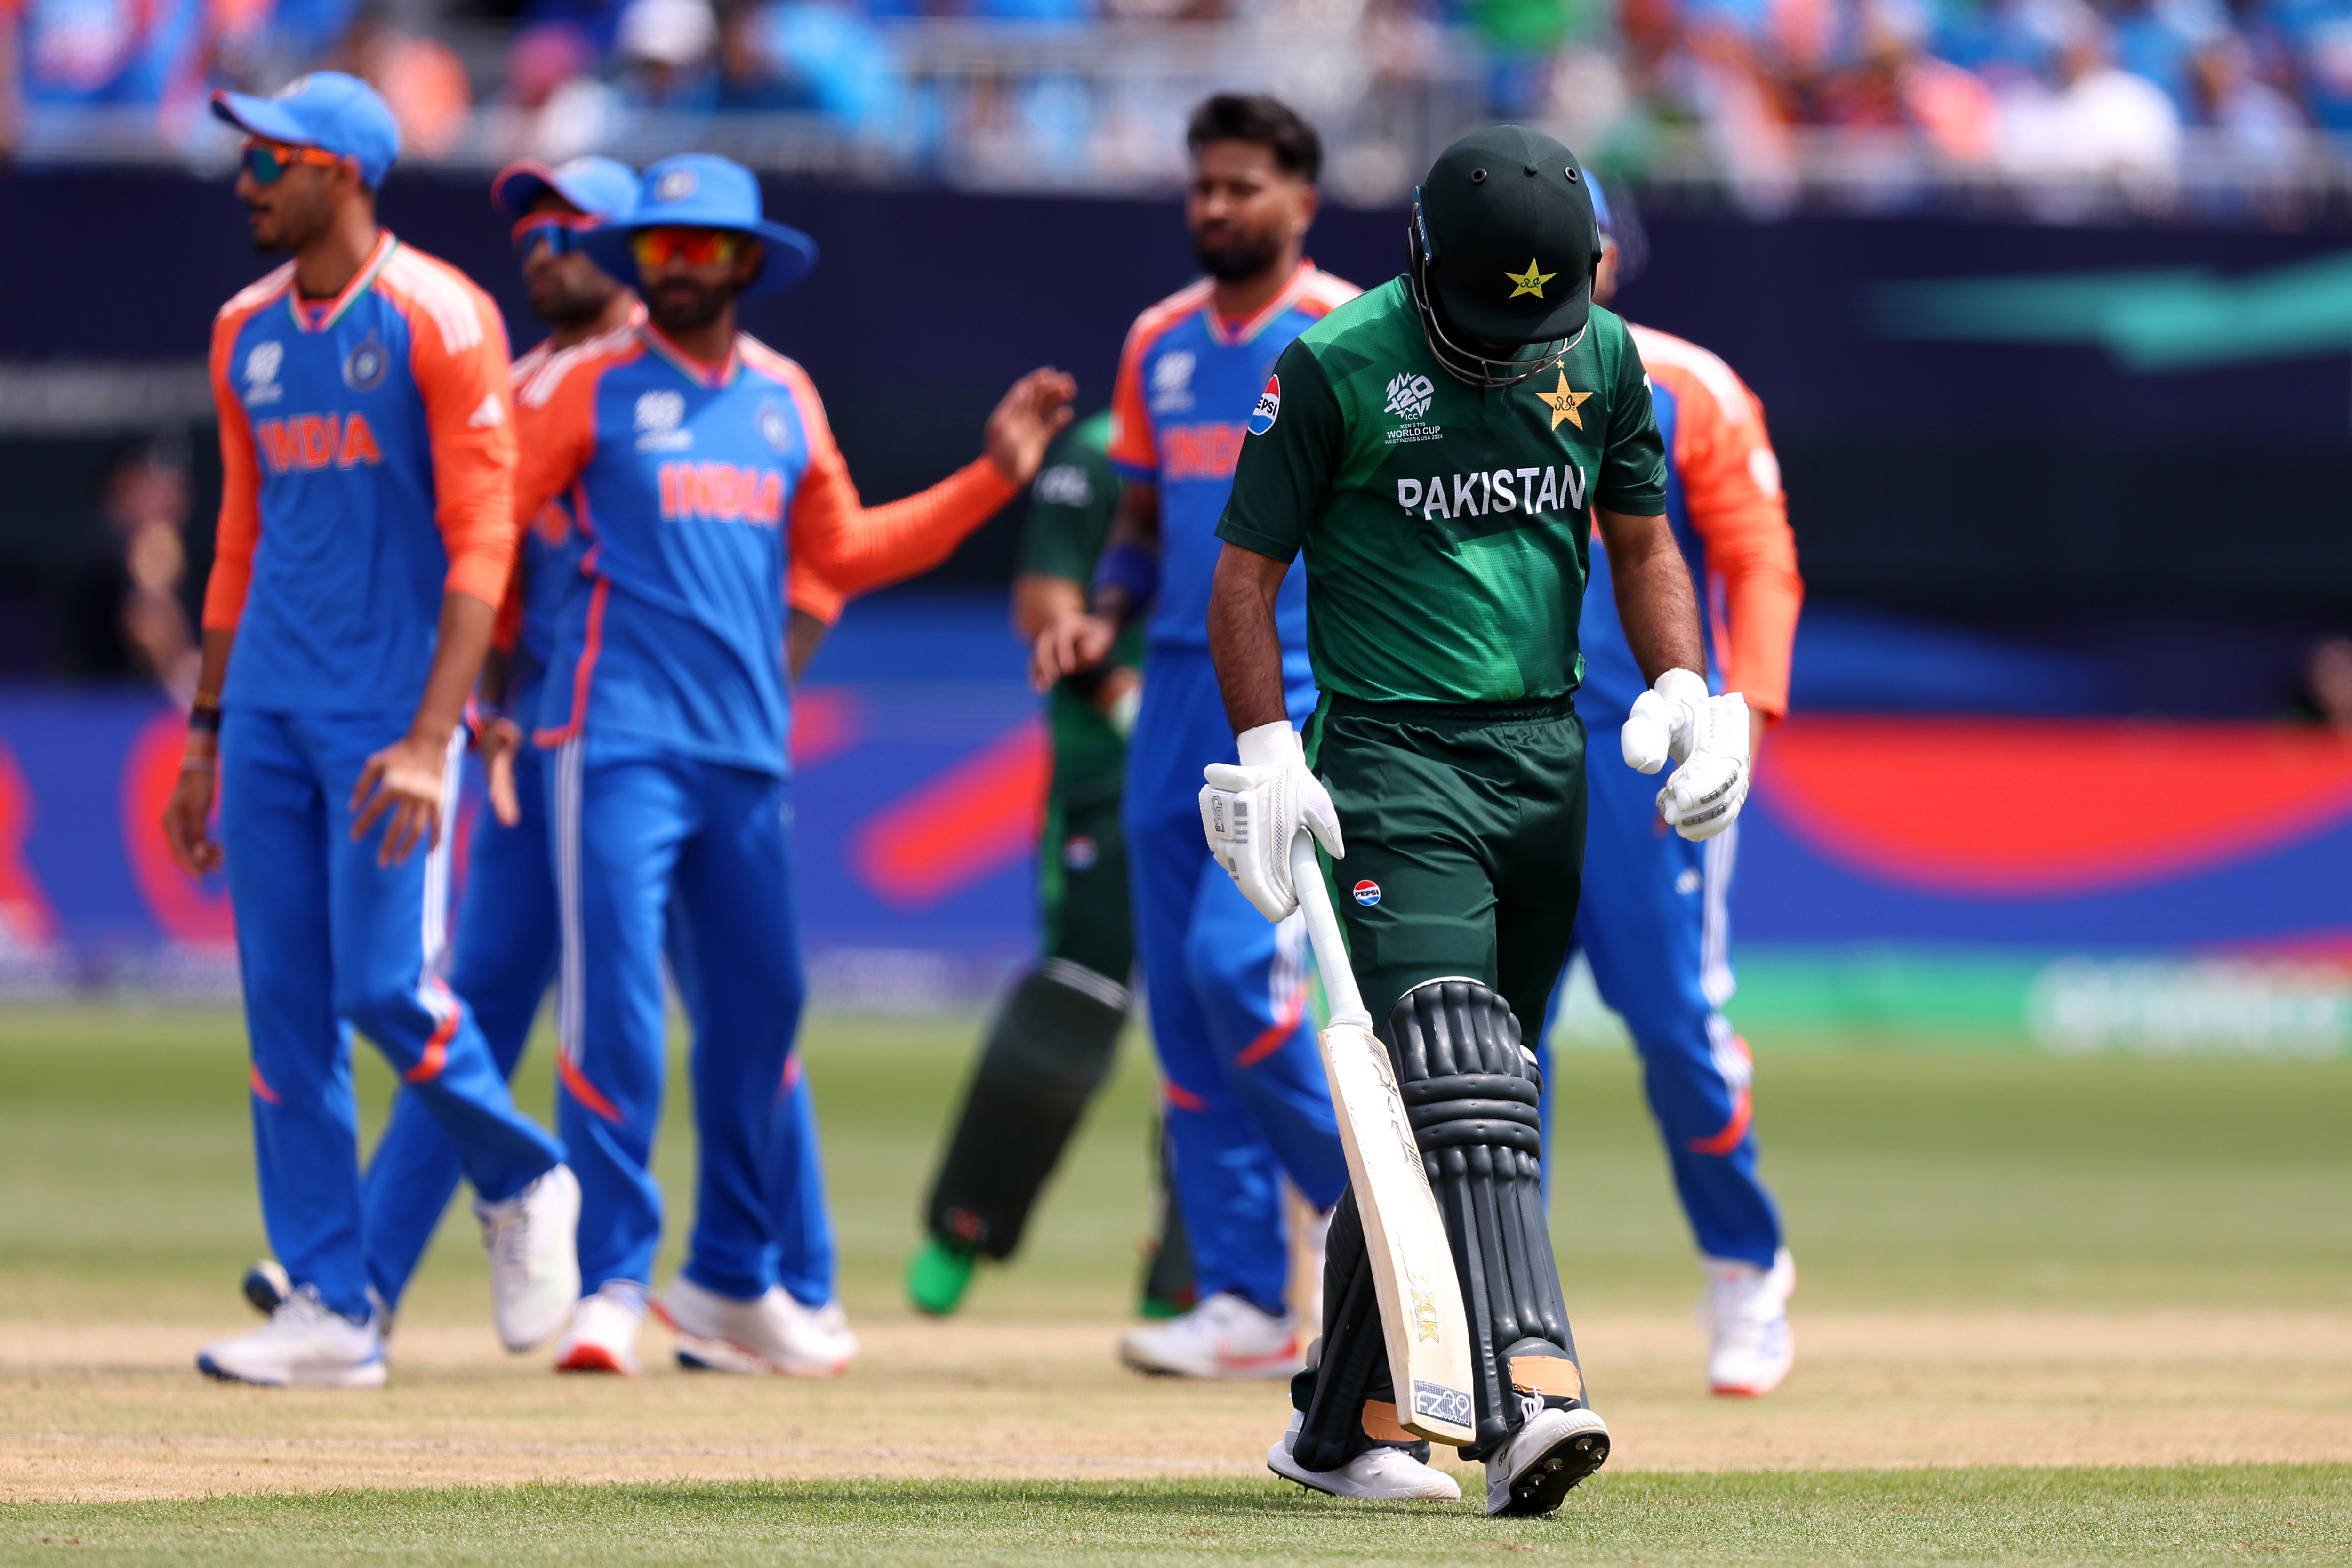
point(1323, 932)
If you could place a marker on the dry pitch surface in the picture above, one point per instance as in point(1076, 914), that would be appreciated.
point(111, 1412)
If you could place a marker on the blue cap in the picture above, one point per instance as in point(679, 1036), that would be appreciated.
point(1600, 203)
point(701, 190)
point(601, 187)
point(327, 109)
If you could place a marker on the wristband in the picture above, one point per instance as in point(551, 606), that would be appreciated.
point(204, 720)
point(1131, 569)
point(193, 763)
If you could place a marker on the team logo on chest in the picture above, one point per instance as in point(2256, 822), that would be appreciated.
point(774, 428)
point(261, 374)
point(660, 418)
point(1564, 401)
point(364, 366)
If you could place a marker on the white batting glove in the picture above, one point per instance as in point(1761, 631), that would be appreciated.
point(1251, 812)
point(1707, 735)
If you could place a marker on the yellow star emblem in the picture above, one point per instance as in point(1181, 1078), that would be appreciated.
point(1529, 282)
point(1564, 401)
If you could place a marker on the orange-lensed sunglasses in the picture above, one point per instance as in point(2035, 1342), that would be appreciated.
point(268, 161)
point(695, 247)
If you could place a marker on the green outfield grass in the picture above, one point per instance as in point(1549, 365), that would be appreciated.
point(2236, 1515)
point(1909, 1178)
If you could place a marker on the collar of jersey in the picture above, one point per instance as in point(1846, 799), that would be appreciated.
point(1259, 322)
point(686, 365)
point(385, 245)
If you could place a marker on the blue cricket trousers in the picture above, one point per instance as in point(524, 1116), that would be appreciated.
point(1247, 1102)
point(1655, 925)
point(328, 942)
point(650, 844)
point(505, 955)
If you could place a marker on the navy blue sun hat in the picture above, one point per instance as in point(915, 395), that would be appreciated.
point(601, 187)
point(327, 109)
point(701, 190)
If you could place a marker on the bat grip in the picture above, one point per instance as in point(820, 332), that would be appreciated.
point(1323, 933)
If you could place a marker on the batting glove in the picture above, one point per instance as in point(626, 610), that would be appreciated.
point(1251, 812)
point(1707, 735)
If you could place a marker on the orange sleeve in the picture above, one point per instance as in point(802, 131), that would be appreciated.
point(555, 426)
point(1133, 448)
point(841, 547)
point(240, 511)
point(470, 418)
point(1731, 488)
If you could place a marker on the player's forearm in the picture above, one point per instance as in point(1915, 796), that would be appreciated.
point(804, 634)
point(1118, 594)
point(210, 675)
point(1039, 600)
point(1242, 641)
point(497, 668)
point(1655, 601)
point(457, 652)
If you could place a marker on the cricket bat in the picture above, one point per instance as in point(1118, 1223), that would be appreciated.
point(1412, 1265)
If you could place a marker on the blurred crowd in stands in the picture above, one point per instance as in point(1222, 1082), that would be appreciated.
point(1076, 91)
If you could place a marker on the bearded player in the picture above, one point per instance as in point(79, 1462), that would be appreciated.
point(1440, 450)
point(1654, 922)
point(1247, 1100)
point(704, 471)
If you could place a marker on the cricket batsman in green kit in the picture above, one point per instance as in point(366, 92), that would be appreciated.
point(1442, 449)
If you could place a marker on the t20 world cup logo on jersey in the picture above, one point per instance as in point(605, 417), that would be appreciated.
point(1269, 406)
point(658, 416)
point(1410, 395)
point(1171, 382)
point(261, 374)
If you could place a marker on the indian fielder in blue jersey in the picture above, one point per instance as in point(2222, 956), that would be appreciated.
point(366, 536)
point(1247, 1100)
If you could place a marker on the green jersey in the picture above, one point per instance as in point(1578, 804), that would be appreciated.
point(1447, 527)
point(1072, 504)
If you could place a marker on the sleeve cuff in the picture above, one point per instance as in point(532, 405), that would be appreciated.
point(1633, 503)
point(1257, 543)
point(478, 578)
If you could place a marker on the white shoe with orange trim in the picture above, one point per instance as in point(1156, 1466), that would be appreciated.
point(603, 1332)
point(1224, 1336)
point(1745, 1310)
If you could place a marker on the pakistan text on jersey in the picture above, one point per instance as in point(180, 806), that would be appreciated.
point(1505, 489)
point(721, 492)
point(304, 443)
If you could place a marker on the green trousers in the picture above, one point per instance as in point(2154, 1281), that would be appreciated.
point(1465, 837)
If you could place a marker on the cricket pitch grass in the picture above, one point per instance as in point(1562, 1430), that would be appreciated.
point(2064, 1311)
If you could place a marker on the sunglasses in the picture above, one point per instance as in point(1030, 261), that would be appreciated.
point(561, 233)
point(268, 161)
point(658, 247)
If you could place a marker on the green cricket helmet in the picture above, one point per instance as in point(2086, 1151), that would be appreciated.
point(1504, 243)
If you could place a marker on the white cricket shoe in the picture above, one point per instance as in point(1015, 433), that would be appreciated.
point(1376, 1473)
point(303, 1345)
point(532, 1241)
point(603, 1332)
point(1745, 1309)
point(1224, 1336)
point(1553, 1451)
point(771, 1334)
point(833, 1317)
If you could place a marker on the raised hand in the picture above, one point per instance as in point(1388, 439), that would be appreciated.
point(1027, 418)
